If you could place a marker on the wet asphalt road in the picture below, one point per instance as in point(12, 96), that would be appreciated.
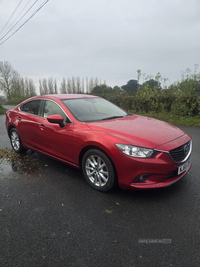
point(49, 216)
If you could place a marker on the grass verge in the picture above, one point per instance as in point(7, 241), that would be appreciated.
point(2, 110)
point(174, 119)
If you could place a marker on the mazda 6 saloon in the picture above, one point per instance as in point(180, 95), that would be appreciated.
point(109, 145)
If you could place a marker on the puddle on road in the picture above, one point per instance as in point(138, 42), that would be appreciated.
point(5, 168)
point(12, 162)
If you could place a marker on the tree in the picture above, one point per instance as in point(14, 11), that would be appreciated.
point(63, 87)
point(69, 86)
point(32, 88)
point(16, 90)
point(73, 84)
point(101, 89)
point(96, 81)
point(91, 85)
point(131, 86)
point(41, 87)
point(152, 84)
point(78, 85)
point(22, 86)
point(139, 73)
point(82, 86)
point(7, 77)
point(50, 85)
point(45, 87)
point(55, 87)
point(2, 100)
point(116, 90)
point(26, 87)
point(87, 85)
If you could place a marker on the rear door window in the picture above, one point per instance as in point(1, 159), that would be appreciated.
point(31, 107)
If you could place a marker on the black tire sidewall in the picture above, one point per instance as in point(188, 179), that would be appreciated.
point(112, 177)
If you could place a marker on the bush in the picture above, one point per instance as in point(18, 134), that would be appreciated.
point(150, 100)
point(15, 101)
point(2, 110)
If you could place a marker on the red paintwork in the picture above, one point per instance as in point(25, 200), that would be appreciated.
point(138, 130)
point(67, 143)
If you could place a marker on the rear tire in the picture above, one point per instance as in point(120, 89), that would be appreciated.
point(15, 141)
point(98, 170)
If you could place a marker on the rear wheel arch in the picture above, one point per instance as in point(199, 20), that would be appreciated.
point(16, 142)
point(9, 129)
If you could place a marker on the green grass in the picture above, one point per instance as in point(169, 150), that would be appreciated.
point(2, 110)
point(174, 119)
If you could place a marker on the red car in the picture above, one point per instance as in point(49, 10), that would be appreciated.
point(109, 145)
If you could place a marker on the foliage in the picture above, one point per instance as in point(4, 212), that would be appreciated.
point(16, 101)
point(2, 110)
point(152, 84)
point(173, 119)
point(178, 100)
point(8, 77)
point(101, 89)
point(2, 100)
point(181, 99)
point(165, 101)
point(75, 85)
point(13, 86)
point(131, 86)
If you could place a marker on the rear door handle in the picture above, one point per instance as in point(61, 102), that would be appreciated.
point(19, 118)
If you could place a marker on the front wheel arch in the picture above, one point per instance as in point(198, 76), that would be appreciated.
point(85, 149)
point(112, 173)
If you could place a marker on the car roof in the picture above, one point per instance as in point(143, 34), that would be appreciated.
point(66, 96)
point(57, 96)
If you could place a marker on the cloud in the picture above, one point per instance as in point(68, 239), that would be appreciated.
point(109, 39)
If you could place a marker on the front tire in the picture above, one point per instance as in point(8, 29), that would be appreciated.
point(15, 141)
point(98, 170)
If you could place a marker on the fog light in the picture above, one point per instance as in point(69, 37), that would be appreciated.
point(142, 178)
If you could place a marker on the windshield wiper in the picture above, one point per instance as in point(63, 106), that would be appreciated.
point(112, 117)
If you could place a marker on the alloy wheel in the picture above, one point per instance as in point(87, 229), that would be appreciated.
point(97, 170)
point(15, 141)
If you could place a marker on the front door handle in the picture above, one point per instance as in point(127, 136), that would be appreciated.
point(42, 127)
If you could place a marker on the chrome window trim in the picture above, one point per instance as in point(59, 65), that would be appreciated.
point(45, 99)
point(19, 107)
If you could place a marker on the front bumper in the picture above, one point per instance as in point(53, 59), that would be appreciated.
point(161, 169)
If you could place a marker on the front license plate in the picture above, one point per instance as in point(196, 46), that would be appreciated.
point(183, 167)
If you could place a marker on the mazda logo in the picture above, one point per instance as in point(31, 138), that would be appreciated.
point(186, 148)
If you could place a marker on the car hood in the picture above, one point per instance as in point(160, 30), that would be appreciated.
point(139, 130)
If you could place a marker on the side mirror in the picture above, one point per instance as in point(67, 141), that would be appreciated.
point(58, 119)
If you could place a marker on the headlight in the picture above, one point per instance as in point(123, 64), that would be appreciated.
point(135, 151)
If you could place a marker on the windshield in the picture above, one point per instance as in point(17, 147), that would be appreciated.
point(93, 109)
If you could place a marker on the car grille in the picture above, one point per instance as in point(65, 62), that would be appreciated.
point(181, 153)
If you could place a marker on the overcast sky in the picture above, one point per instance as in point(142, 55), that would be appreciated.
point(108, 39)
